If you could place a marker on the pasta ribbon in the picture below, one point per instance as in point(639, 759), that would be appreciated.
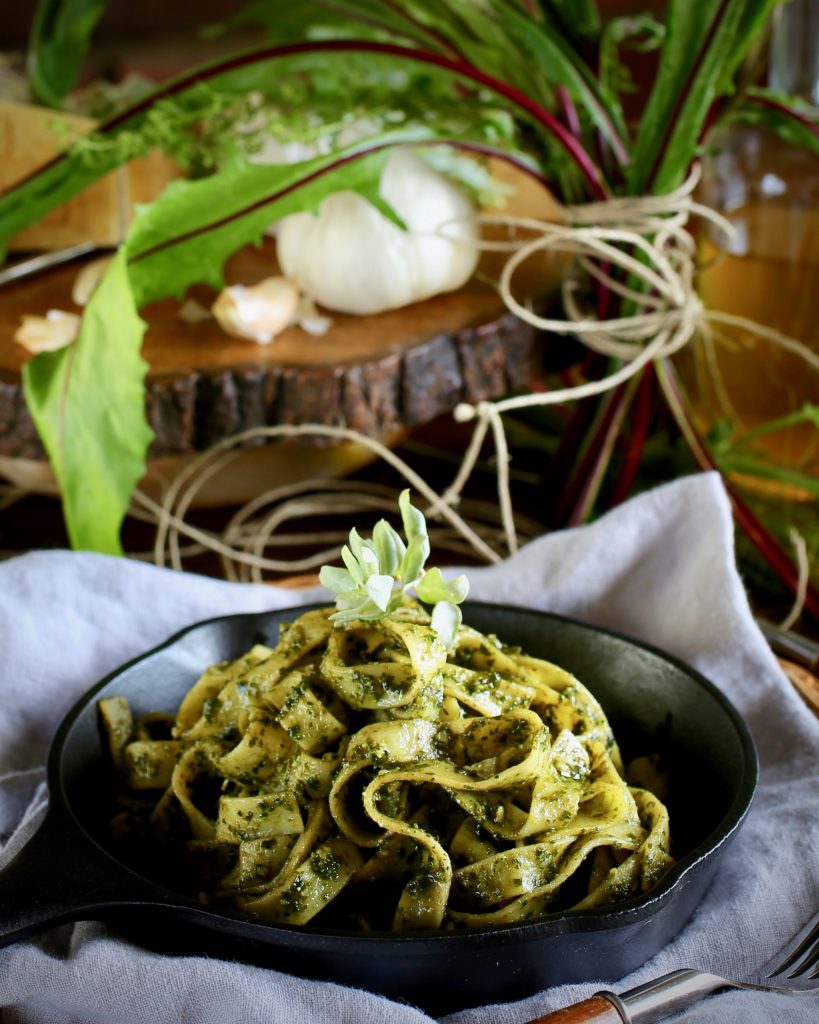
point(366, 776)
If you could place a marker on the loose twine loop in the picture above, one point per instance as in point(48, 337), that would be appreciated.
point(640, 249)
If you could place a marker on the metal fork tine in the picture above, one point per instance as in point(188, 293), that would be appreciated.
point(810, 961)
point(800, 954)
point(796, 966)
point(805, 957)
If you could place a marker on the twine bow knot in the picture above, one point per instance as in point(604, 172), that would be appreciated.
point(640, 249)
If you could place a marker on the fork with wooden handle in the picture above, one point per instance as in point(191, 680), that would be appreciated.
point(794, 970)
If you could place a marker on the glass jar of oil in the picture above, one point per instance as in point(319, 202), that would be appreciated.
point(749, 393)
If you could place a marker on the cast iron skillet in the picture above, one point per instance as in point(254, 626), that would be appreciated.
point(68, 871)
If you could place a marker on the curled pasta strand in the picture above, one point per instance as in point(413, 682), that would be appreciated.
point(369, 776)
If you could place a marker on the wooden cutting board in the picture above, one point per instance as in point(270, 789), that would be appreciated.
point(380, 374)
point(376, 374)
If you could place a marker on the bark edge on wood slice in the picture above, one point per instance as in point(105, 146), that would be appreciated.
point(379, 374)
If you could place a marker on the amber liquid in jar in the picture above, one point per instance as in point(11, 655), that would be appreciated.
point(769, 274)
point(768, 188)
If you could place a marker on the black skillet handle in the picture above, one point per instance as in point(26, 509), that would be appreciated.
point(60, 875)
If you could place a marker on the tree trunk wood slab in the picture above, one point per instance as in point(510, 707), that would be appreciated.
point(377, 374)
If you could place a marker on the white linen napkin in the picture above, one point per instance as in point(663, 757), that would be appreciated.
point(660, 568)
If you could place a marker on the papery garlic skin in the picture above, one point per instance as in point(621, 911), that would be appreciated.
point(48, 333)
point(258, 312)
point(352, 259)
point(309, 318)
point(88, 278)
point(193, 312)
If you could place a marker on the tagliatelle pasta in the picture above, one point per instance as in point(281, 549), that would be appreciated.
point(367, 777)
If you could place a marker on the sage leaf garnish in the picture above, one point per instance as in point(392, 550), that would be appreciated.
point(379, 573)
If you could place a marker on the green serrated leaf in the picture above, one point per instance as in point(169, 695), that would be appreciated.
point(187, 233)
point(178, 107)
point(87, 401)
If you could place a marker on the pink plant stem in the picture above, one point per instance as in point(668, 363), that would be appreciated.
point(560, 474)
point(602, 448)
point(783, 108)
point(586, 453)
point(416, 32)
point(320, 172)
point(640, 426)
point(457, 67)
point(569, 110)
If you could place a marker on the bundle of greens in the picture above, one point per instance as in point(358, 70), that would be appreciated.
point(537, 83)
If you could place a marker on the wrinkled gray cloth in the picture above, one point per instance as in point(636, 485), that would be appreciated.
point(660, 568)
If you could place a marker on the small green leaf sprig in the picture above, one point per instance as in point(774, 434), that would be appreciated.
point(380, 572)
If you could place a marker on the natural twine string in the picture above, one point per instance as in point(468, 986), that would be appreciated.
point(645, 241)
point(803, 567)
point(242, 546)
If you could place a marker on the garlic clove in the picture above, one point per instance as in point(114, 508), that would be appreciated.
point(309, 319)
point(87, 280)
point(47, 333)
point(258, 312)
point(193, 312)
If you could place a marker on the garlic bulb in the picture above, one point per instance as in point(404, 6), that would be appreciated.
point(259, 312)
point(351, 258)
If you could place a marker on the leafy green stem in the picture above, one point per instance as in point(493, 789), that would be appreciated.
point(319, 172)
point(57, 45)
point(807, 414)
point(771, 102)
point(457, 67)
point(749, 465)
point(685, 92)
point(426, 33)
